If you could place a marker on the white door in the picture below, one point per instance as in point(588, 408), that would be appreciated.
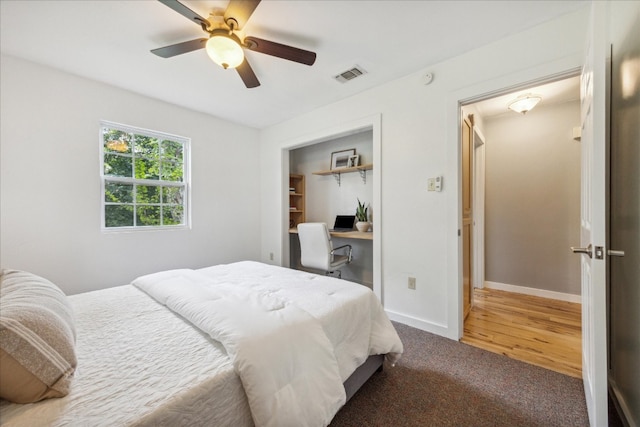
point(593, 222)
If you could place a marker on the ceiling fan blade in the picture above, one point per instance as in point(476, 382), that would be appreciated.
point(280, 50)
point(185, 11)
point(247, 75)
point(241, 11)
point(180, 48)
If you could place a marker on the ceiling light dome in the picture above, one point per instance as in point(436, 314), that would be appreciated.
point(524, 103)
point(225, 49)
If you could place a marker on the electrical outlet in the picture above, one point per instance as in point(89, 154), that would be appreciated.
point(434, 184)
point(271, 256)
point(438, 185)
point(412, 283)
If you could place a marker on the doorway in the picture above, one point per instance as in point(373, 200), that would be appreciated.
point(323, 197)
point(372, 123)
point(531, 216)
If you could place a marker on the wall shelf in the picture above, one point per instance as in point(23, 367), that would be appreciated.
point(362, 169)
point(296, 200)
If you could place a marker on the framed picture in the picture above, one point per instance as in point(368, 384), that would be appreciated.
point(340, 159)
point(353, 161)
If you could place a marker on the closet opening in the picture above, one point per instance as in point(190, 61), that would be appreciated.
point(366, 133)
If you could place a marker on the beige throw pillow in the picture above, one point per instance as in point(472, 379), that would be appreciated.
point(37, 338)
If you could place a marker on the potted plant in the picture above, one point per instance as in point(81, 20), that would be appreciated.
point(362, 215)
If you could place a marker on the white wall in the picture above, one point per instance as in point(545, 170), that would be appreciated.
point(419, 134)
point(50, 186)
point(324, 198)
point(533, 198)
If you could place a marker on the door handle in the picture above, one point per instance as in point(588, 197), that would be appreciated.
point(588, 250)
point(611, 252)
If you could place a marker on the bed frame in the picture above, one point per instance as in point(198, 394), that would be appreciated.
point(362, 374)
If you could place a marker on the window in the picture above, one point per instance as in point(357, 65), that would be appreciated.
point(145, 181)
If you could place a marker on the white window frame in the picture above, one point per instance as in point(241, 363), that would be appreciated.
point(185, 184)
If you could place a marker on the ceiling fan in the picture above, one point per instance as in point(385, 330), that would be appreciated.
point(224, 46)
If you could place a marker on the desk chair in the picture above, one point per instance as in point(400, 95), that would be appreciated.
point(317, 249)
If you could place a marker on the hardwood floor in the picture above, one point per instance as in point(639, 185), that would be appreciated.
point(540, 331)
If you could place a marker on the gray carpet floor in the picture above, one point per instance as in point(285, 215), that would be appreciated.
point(440, 382)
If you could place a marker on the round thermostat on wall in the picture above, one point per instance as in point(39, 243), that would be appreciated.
point(427, 78)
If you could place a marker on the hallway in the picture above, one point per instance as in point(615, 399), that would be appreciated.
point(540, 331)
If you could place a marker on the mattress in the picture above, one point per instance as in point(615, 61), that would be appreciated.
point(139, 365)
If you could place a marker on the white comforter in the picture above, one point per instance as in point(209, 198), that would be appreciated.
point(293, 337)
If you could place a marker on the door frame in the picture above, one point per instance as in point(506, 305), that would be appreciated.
point(478, 141)
point(468, 206)
point(534, 76)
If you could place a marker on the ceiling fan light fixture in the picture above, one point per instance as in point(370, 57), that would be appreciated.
point(225, 49)
point(225, 46)
point(524, 103)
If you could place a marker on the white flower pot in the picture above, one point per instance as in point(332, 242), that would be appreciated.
point(362, 226)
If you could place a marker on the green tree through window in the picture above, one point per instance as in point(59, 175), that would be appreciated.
point(144, 178)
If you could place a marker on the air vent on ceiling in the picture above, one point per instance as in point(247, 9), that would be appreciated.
point(350, 74)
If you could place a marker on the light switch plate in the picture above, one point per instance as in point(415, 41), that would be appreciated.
point(431, 184)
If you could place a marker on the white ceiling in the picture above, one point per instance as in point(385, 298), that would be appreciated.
point(110, 40)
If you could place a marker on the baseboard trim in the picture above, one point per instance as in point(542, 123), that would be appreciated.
point(434, 328)
point(543, 293)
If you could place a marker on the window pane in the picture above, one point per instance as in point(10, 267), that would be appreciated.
point(172, 170)
point(146, 146)
point(117, 192)
point(118, 215)
point(147, 194)
point(173, 215)
point(116, 165)
point(173, 195)
point(172, 166)
point(171, 149)
point(116, 141)
point(148, 215)
point(146, 168)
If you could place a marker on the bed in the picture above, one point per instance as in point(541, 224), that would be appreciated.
point(240, 344)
